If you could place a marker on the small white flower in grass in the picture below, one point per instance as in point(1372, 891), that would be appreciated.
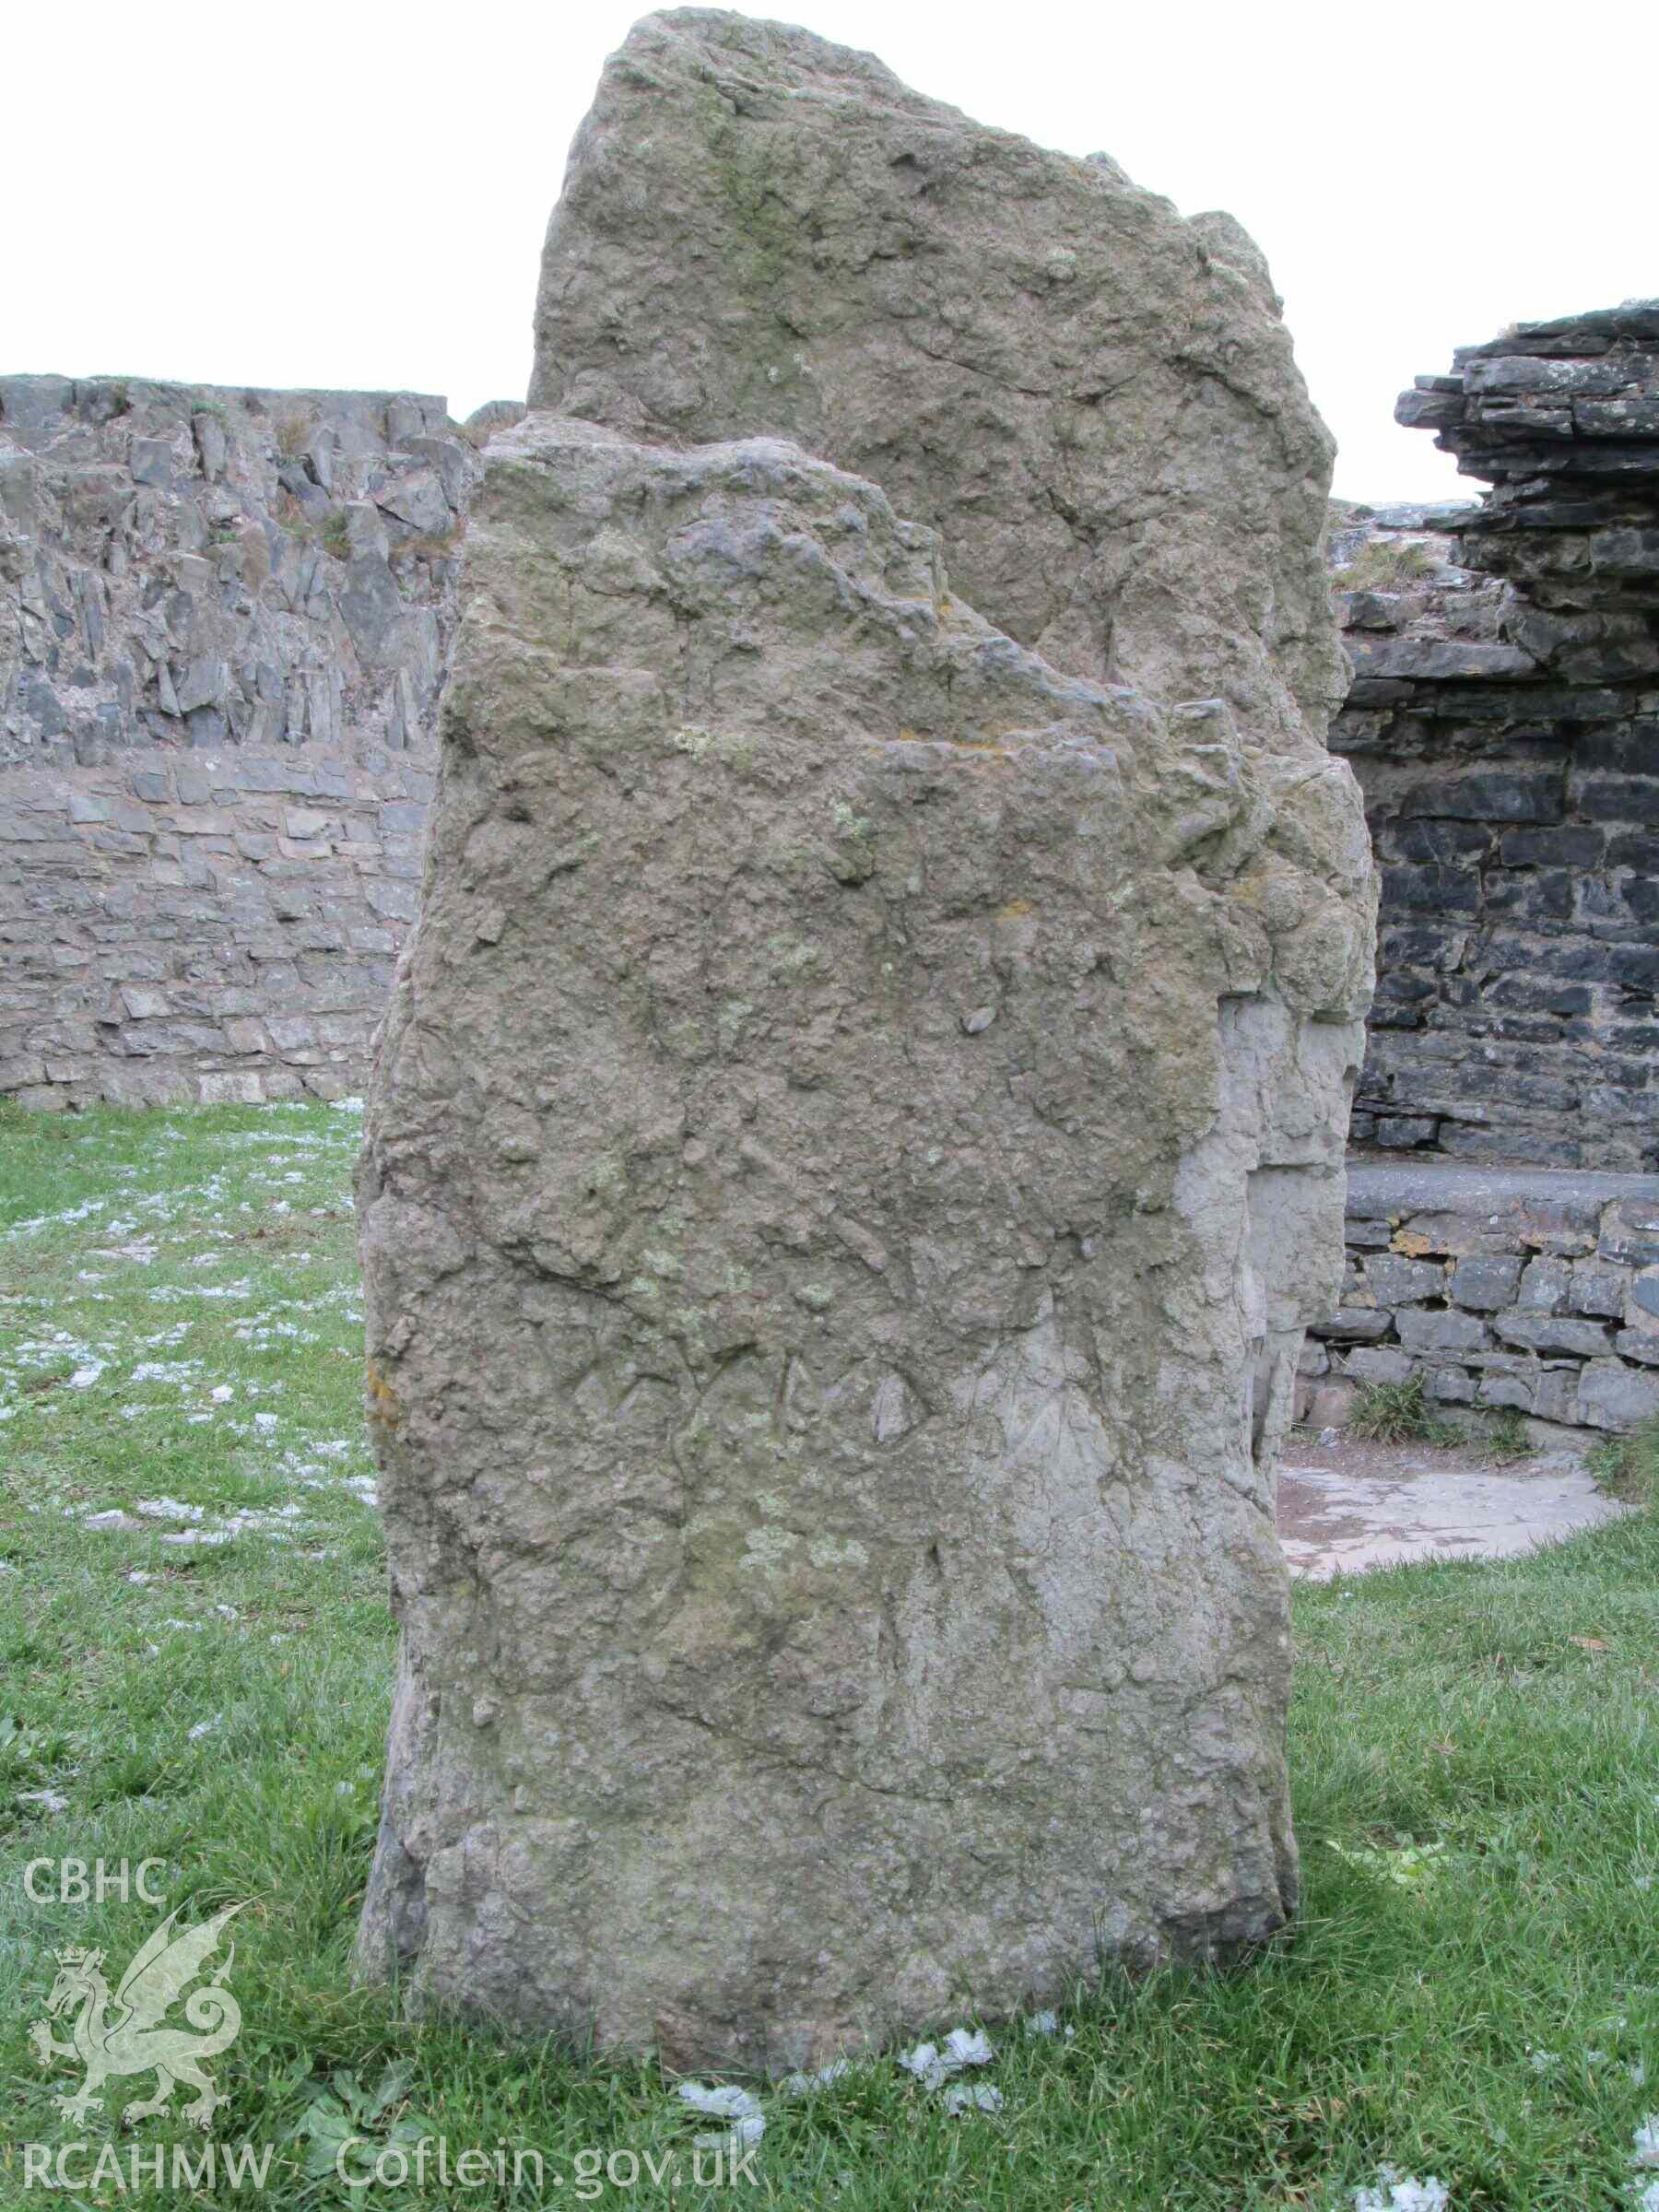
point(737, 2137)
point(965, 2097)
point(932, 2067)
point(1395, 2192)
point(963, 2048)
point(802, 2085)
point(722, 2102)
point(741, 2107)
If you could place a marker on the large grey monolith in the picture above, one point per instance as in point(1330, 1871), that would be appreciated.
point(859, 1129)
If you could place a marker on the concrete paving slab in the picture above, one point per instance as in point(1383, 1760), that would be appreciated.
point(1348, 1506)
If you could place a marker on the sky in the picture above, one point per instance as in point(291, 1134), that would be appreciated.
point(354, 194)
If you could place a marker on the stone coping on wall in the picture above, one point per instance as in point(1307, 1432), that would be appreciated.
point(1377, 1188)
point(1534, 1288)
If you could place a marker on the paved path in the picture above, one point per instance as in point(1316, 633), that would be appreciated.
point(1348, 1506)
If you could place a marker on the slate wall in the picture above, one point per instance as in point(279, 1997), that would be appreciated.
point(1503, 721)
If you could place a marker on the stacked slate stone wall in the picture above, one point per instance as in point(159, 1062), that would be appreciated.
point(1536, 1290)
point(224, 622)
point(1504, 725)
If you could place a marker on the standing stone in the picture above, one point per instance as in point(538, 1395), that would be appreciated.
point(855, 1143)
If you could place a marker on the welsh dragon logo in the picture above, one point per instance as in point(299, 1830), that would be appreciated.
point(123, 2033)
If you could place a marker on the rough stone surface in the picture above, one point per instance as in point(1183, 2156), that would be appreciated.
point(855, 1142)
point(1093, 400)
point(221, 644)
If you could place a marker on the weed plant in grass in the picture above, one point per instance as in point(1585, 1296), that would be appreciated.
point(1399, 1413)
point(1471, 1992)
point(1503, 1437)
point(1386, 565)
point(1628, 1466)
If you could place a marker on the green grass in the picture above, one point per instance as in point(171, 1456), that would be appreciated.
point(1503, 1437)
point(1474, 1744)
point(1628, 1466)
point(1399, 1413)
point(1386, 565)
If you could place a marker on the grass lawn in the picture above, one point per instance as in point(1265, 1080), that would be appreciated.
point(1472, 1992)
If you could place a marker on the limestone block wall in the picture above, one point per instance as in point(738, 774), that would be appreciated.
point(224, 623)
point(1531, 1289)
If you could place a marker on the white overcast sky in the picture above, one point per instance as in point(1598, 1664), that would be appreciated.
point(354, 194)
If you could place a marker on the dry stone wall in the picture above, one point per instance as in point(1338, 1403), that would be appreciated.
point(224, 622)
point(1531, 1288)
point(1503, 721)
